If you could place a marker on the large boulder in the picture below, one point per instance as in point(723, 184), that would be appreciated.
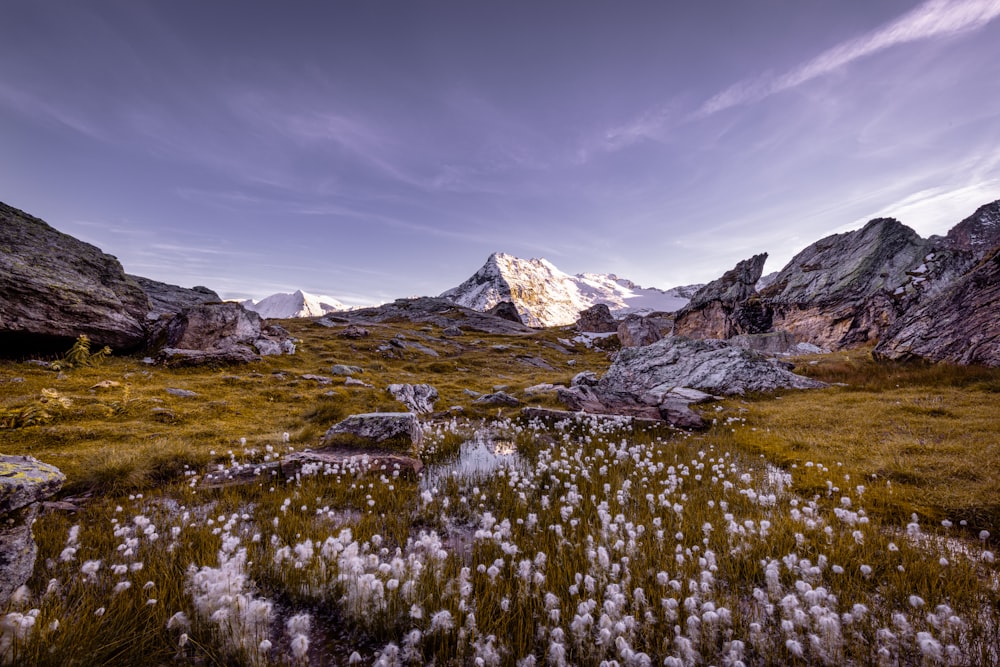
point(597, 319)
point(727, 306)
point(54, 288)
point(657, 380)
point(398, 431)
point(842, 290)
point(506, 310)
point(217, 333)
point(637, 330)
point(957, 325)
point(24, 483)
point(424, 310)
point(167, 299)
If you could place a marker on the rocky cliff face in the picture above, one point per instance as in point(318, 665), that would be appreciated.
point(841, 290)
point(957, 324)
point(165, 298)
point(54, 288)
point(727, 306)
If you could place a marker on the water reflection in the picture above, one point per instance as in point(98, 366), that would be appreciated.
point(479, 457)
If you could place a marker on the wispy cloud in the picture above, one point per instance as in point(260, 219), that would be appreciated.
point(932, 19)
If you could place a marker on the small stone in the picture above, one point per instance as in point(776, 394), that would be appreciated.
point(499, 398)
point(182, 393)
point(342, 369)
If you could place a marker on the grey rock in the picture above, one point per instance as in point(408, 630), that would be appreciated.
point(775, 343)
point(452, 332)
point(410, 345)
point(352, 382)
point(435, 311)
point(597, 319)
point(725, 307)
point(535, 362)
point(54, 288)
point(321, 379)
point(24, 483)
point(839, 291)
point(959, 325)
point(540, 389)
point(498, 398)
point(396, 430)
point(584, 378)
point(637, 331)
point(662, 379)
point(470, 393)
point(181, 393)
point(216, 333)
point(419, 398)
point(506, 310)
point(165, 299)
point(353, 332)
point(343, 369)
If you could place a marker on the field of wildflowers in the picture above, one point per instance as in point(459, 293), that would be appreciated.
point(582, 542)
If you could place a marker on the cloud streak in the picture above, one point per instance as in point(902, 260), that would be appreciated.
point(934, 18)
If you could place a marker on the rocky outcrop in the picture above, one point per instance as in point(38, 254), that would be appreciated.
point(419, 398)
point(638, 330)
point(841, 291)
point(727, 306)
point(506, 310)
point(499, 399)
point(597, 319)
point(24, 483)
point(54, 288)
point(776, 343)
point(426, 310)
point(166, 299)
point(655, 381)
point(217, 333)
point(399, 431)
point(957, 325)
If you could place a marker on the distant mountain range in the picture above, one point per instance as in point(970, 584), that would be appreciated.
point(296, 304)
point(545, 296)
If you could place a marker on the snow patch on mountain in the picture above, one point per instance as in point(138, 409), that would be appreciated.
point(545, 296)
point(297, 304)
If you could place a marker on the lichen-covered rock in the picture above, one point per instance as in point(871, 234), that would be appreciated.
point(165, 298)
point(597, 319)
point(54, 288)
point(839, 291)
point(659, 380)
point(419, 398)
point(217, 333)
point(498, 398)
point(726, 307)
point(399, 431)
point(24, 482)
point(960, 325)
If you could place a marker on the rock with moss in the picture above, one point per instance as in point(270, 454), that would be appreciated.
point(24, 483)
point(54, 288)
point(398, 431)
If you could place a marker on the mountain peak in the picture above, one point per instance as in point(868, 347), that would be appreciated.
point(295, 304)
point(545, 296)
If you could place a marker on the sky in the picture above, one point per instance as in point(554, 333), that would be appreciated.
point(379, 149)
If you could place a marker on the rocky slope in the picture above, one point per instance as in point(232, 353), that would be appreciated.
point(54, 288)
point(959, 324)
point(726, 307)
point(297, 304)
point(545, 296)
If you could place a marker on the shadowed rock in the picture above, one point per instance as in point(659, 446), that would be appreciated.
point(54, 288)
point(959, 325)
point(24, 483)
point(597, 319)
point(637, 331)
point(498, 398)
point(726, 306)
point(506, 310)
point(165, 299)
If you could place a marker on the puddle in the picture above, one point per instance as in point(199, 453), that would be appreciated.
point(477, 458)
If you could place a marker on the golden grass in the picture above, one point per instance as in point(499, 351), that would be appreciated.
point(921, 438)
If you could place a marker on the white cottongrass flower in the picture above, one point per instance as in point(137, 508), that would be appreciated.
point(441, 621)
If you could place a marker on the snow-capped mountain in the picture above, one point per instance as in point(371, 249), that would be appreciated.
point(297, 304)
point(545, 296)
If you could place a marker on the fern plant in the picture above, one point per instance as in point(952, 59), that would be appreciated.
point(80, 355)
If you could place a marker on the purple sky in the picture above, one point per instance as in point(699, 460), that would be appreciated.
point(373, 150)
